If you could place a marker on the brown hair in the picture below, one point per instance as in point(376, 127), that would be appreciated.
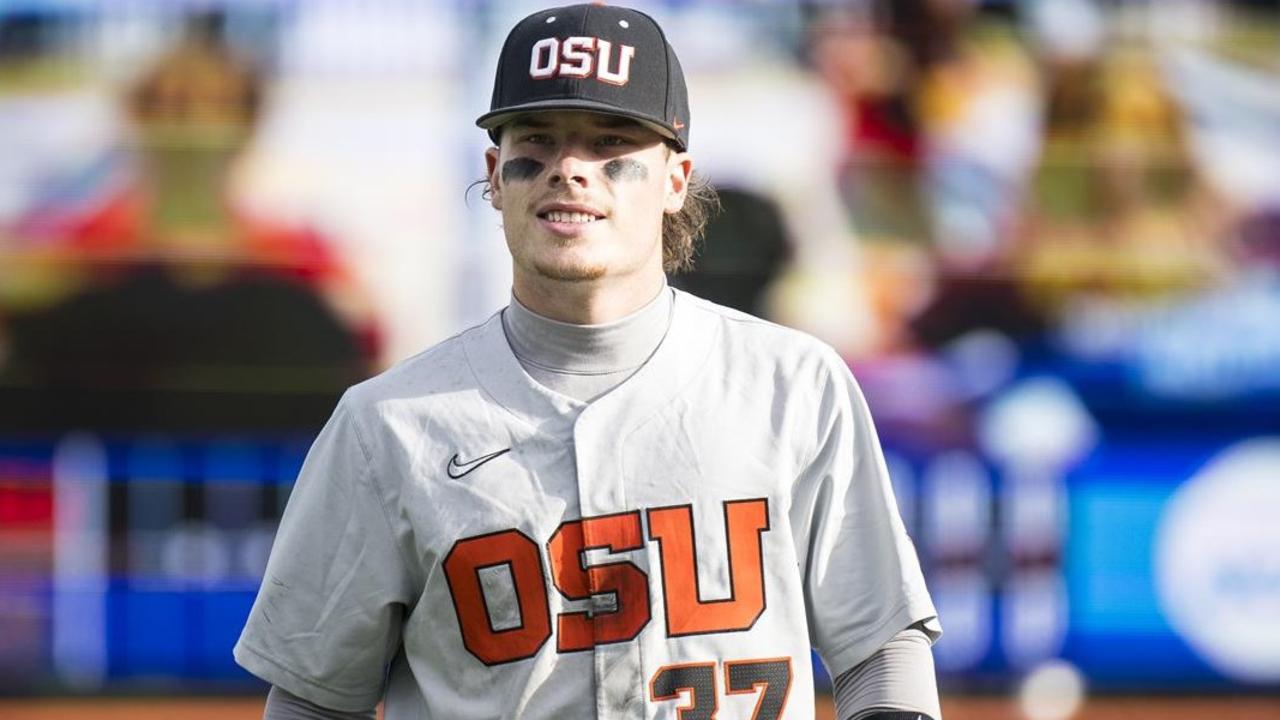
point(682, 230)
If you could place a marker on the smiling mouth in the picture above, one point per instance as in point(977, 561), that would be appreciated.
point(572, 218)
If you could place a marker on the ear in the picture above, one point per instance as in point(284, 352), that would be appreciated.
point(491, 170)
point(679, 172)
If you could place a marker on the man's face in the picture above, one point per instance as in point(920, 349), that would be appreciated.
point(583, 195)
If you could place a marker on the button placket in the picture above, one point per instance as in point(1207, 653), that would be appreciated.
point(617, 666)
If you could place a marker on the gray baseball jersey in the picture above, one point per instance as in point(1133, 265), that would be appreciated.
point(478, 546)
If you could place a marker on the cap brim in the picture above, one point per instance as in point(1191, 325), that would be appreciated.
point(492, 120)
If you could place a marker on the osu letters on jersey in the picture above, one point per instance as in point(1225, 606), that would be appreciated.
point(475, 545)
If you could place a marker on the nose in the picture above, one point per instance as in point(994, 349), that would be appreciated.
point(569, 167)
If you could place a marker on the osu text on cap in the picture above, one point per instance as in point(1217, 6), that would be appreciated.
point(580, 57)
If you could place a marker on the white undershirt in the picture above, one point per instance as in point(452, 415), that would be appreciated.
point(897, 677)
point(584, 362)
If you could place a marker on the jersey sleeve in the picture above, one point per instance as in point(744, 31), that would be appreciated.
point(326, 621)
point(862, 578)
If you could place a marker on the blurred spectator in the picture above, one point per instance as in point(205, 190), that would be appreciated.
point(943, 114)
point(744, 250)
point(864, 56)
point(1119, 209)
point(165, 306)
point(981, 112)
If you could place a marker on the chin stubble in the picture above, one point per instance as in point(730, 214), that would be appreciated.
point(571, 273)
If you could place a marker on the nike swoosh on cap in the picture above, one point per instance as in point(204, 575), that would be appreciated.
point(457, 469)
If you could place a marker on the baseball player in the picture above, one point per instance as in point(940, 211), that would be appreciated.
point(612, 499)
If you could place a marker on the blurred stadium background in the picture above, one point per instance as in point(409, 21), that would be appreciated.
point(1044, 233)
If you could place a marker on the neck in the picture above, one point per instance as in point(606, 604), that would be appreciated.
point(588, 302)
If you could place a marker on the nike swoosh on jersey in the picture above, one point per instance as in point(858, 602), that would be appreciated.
point(458, 469)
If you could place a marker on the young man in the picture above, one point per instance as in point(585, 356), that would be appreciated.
point(611, 500)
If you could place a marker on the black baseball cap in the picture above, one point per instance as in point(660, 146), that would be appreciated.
point(599, 58)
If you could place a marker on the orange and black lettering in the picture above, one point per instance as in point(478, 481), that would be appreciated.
point(698, 679)
point(520, 554)
point(770, 677)
point(628, 584)
point(745, 521)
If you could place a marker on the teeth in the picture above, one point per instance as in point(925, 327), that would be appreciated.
point(560, 216)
